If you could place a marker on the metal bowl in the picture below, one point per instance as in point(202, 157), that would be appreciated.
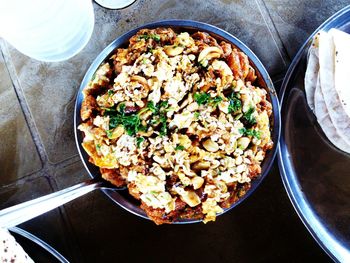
point(122, 198)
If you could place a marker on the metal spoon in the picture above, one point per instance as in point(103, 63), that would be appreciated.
point(17, 214)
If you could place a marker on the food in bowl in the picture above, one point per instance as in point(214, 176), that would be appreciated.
point(326, 85)
point(178, 119)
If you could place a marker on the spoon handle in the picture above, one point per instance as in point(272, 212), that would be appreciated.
point(17, 214)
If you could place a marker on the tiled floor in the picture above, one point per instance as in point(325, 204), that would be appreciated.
point(18, 154)
point(36, 123)
point(296, 20)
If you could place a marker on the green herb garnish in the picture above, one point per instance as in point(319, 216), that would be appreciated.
point(253, 133)
point(131, 123)
point(152, 36)
point(98, 147)
point(159, 115)
point(179, 147)
point(204, 98)
point(248, 116)
point(201, 98)
point(156, 37)
point(196, 114)
point(110, 92)
point(163, 127)
point(139, 140)
point(235, 103)
point(152, 107)
point(215, 101)
point(157, 108)
point(108, 109)
point(163, 104)
point(122, 108)
point(250, 132)
point(109, 133)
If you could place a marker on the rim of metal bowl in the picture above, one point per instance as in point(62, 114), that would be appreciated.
point(189, 25)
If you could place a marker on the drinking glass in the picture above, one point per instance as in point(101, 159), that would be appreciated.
point(47, 30)
point(114, 4)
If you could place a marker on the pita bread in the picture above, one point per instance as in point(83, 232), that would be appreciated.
point(342, 67)
point(10, 250)
point(311, 73)
point(335, 108)
point(325, 121)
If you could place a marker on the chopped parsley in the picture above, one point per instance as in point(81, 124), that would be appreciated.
point(201, 98)
point(139, 140)
point(196, 115)
point(235, 104)
point(98, 147)
point(109, 133)
point(163, 104)
point(122, 108)
point(163, 127)
point(130, 122)
point(179, 147)
point(110, 92)
point(248, 116)
point(152, 36)
point(156, 37)
point(159, 115)
point(204, 98)
point(108, 109)
point(250, 132)
point(152, 107)
point(157, 108)
point(215, 101)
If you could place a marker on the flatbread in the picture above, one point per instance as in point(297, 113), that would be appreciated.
point(325, 121)
point(342, 67)
point(10, 250)
point(337, 114)
point(311, 73)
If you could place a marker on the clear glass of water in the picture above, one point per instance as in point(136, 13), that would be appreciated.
point(114, 4)
point(47, 30)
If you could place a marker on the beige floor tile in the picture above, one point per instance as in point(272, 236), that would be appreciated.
point(18, 154)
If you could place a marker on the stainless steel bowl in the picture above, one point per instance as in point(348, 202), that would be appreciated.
point(122, 198)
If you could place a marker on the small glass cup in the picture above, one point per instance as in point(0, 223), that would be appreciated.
point(114, 4)
point(47, 30)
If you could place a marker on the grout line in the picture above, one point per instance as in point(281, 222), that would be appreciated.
point(24, 104)
point(64, 163)
point(273, 31)
point(46, 172)
point(24, 180)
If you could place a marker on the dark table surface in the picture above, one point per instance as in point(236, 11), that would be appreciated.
point(38, 153)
